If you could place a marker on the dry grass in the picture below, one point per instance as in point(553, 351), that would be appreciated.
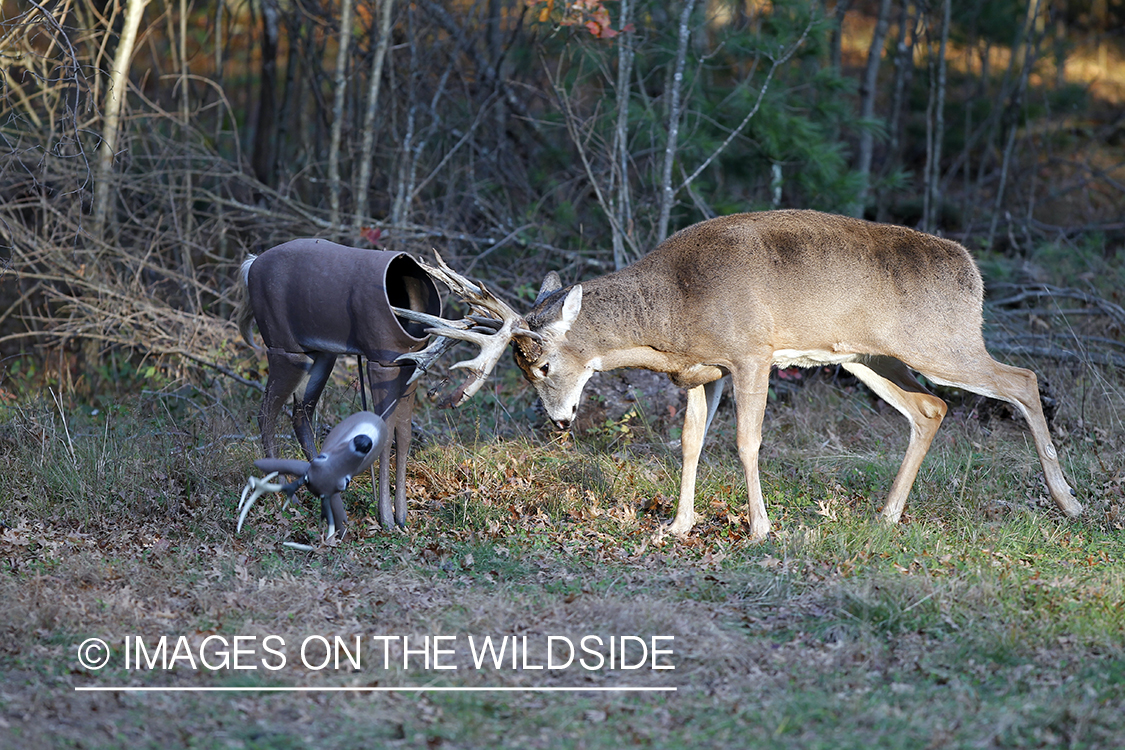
point(984, 619)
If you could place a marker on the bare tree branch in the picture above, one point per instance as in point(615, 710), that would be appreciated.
point(1045, 291)
point(777, 63)
point(572, 129)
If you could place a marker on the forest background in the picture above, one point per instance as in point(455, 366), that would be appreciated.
point(149, 146)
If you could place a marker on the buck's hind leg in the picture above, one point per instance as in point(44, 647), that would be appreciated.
point(751, 387)
point(893, 381)
point(286, 371)
point(1020, 388)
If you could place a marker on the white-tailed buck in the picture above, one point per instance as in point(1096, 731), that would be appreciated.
point(314, 300)
point(740, 294)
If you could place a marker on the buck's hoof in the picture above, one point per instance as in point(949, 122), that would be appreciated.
point(1072, 509)
point(678, 530)
point(890, 519)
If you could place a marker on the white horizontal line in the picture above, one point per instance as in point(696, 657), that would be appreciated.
point(417, 689)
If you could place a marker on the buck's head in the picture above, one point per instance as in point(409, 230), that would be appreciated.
point(551, 356)
point(555, 364)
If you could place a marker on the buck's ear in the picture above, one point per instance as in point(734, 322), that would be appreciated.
point(551, 284)
point(560, 314)
point(572, 305)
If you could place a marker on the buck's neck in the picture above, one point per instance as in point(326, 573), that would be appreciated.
point(632, 318)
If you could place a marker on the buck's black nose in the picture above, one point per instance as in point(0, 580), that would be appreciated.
point(562, 424)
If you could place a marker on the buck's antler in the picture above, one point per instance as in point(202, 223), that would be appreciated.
point(491, 326)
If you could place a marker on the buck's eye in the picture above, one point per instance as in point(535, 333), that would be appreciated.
point(544, 368)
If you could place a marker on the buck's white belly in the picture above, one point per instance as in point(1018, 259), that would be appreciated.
point(811, 358)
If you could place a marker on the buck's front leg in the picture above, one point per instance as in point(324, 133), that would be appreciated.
point(695, 428)
point(751, 387)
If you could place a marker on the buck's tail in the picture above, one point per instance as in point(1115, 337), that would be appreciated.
point(244, 315)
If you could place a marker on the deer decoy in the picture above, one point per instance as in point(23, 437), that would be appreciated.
point(314, 300)
point(736, 295)
point(350, 448)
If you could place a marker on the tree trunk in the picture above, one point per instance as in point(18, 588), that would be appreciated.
point(935, 130)
point(263, 159)
point(338, 115)
point(667, 194)
point(835, 53)
point(622, 201)
point(903, 71)
point(400, 208)
point(1024, 53)
point(184, 246)
point(114, 102)
point(367, 149)
point(867, 106)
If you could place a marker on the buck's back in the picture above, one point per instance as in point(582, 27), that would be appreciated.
point(798, 280)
